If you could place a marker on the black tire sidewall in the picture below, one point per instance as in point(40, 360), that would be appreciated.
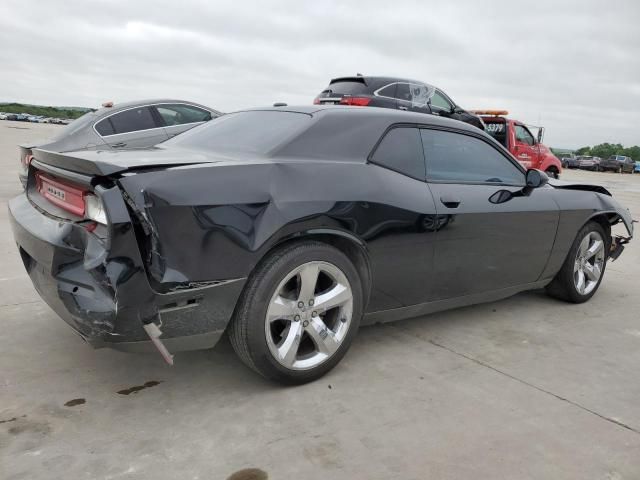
point(268, 281)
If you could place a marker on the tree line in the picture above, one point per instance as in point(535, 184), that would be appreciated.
point(605, 150)
point(56, 112)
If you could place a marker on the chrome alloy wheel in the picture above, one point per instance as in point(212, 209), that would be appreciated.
point(309, 315)
point(589, 263)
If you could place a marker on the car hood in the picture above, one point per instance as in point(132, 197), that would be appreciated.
point(609, 204)
point(578, 186)
point(110, 162)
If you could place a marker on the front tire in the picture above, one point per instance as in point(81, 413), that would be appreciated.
point(552, 173)
point(583, 269)
point(299, 313)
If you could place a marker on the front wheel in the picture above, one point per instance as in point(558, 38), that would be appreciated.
point(583, 269)
point(552, 173)
point(299, 313)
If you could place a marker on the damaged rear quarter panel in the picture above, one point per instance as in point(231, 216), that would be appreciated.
point(217, 221)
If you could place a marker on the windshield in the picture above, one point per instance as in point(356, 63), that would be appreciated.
point(256, 131)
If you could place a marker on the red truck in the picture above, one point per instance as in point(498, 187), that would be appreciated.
point(518, 139)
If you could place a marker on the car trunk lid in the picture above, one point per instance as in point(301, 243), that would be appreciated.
point(105, 163)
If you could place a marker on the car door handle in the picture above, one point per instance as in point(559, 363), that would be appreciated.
point(403, 108)
point(119, 145)
point(449, 201)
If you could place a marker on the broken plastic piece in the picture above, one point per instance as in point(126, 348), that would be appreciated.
point(154, 333)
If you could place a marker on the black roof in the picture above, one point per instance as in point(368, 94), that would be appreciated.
point(375, 81)
point(389, 114)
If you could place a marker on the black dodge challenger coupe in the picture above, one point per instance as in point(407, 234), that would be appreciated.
point(288, 228)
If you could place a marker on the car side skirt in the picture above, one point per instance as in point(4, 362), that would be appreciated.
point(412, 311)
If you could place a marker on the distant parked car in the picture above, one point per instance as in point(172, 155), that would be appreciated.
point(11, 116)
point(618, 163)
point(34, 118)
point(128, 125)
point(636, 169)
point(569, 160)
point(3, 116)
point(396, 93)
point(21, 117)
point(587, 162)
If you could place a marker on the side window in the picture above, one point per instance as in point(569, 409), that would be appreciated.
point(415, 93)
point(439, 101)
point(419, 94)
point(178, 114)
point(403, 92)
point(455, 157)
point(104, 127)
point(401, 150)
point(523, 135)
point(388, 91)
point(133, 120)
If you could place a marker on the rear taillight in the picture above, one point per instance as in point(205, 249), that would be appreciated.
point(316, 101)
point(70, 197)
point(357, 101)
point(25, 161)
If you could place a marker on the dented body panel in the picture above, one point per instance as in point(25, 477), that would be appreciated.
point(186, 228)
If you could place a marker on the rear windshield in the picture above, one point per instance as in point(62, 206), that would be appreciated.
point(78, 124)
point(345, 88)
point(257, 131)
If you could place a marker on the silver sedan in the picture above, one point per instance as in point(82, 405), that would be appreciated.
point(127, 125)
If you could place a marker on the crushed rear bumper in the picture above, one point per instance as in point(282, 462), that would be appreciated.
point(100, 287)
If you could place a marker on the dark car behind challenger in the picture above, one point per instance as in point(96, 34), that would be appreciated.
point(288, 227)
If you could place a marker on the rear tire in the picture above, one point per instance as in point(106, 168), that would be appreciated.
point(552, 173)
point(299, 313)
point(583, 269)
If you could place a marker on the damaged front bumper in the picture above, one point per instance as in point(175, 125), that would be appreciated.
point(101, 289)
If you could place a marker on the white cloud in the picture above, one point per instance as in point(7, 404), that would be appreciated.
point(573, 66)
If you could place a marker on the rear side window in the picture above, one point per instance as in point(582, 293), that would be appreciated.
point(179, 114)
point(401, 150)
point(257, 131)
point(455, 157)
point(105, 127)
point(388, 91)
point(132, 120)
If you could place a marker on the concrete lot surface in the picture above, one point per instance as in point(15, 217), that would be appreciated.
point(525, 388)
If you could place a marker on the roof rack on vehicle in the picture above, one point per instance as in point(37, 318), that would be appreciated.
point(495, 113)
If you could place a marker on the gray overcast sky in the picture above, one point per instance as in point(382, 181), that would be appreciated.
point(573, 66)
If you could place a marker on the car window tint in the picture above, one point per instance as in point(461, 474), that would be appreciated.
point(133, 120)
point(179, 114)
point(345, 87)
point(456, 157)
point(438, 100)
point(403, 92)
point(388, 91)
point(401, 150)
point(254, 131)
point(105, 127)
point(523, 135)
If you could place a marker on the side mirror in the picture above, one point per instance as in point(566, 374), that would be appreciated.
point(501, 196)
point(536, 178)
